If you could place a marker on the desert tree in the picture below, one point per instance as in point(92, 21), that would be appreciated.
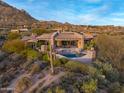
point(110, 49)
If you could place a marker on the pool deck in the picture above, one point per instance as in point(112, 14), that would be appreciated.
point(85, 59)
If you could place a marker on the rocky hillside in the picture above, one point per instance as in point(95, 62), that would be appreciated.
point(80, 28)
point(10, 15)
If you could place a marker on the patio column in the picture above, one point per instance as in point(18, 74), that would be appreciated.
point(59, 43)
point(81, 43)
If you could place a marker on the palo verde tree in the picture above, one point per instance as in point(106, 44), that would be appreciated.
point(16, 46)
point(12, 36)
point(111, 49)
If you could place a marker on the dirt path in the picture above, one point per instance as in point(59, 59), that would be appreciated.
point(13, 83)
point(47, 80)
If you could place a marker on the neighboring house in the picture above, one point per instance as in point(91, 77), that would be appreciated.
point(29, 40)
point(23, 30)
point(57, 29)
point(19, 30)
point(14, 30)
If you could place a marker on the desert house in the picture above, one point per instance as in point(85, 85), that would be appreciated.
point(59, 40)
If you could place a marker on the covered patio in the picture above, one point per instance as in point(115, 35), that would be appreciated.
point(66, 44)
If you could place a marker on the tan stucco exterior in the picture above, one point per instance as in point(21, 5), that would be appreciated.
point(57, 38)
point(63, 39)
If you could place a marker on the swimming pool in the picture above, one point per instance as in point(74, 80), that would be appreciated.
point(70, 55)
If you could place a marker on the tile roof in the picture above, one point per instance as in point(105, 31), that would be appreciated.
point(88, 36)
point(45, 36)
point(67, 36)
point(60, 36)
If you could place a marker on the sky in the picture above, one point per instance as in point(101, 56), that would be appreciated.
point(84, 12)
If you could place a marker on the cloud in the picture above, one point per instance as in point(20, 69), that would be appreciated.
point(30, 1)
point(109, 20)
point(94, 12)
point(70, 15)
point(87, 18)
point(117, 19)
point(93, 1)
point(118, 14)
point(91, 16)
point(100, 9)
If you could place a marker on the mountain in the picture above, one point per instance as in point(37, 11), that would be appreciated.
point(11, 16)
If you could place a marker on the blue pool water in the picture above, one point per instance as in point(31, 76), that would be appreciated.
point(70, 55)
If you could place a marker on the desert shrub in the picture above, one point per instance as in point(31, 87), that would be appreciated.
point(103, 82)
point(35, 69)
point(45, 57)
point(57, 62)
point(77, 67)
point(32, 54)
point(56, 89)
point(80, 67)
point(92, 71)
point(89, 44)
point(113, 75)
point(16, 46)
point(75, 90)
point(122, 89)
point(71, 81)
point(114, 88)
point(59, 90)
point(12, 36)
point(98, 64)
point(106, 69)
point(89, 86)
point(3, 80)
point(22, 84)
point(2, 55)
point(49, 91)
point(121, 79)
point(60, 62)
point(63, 60)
